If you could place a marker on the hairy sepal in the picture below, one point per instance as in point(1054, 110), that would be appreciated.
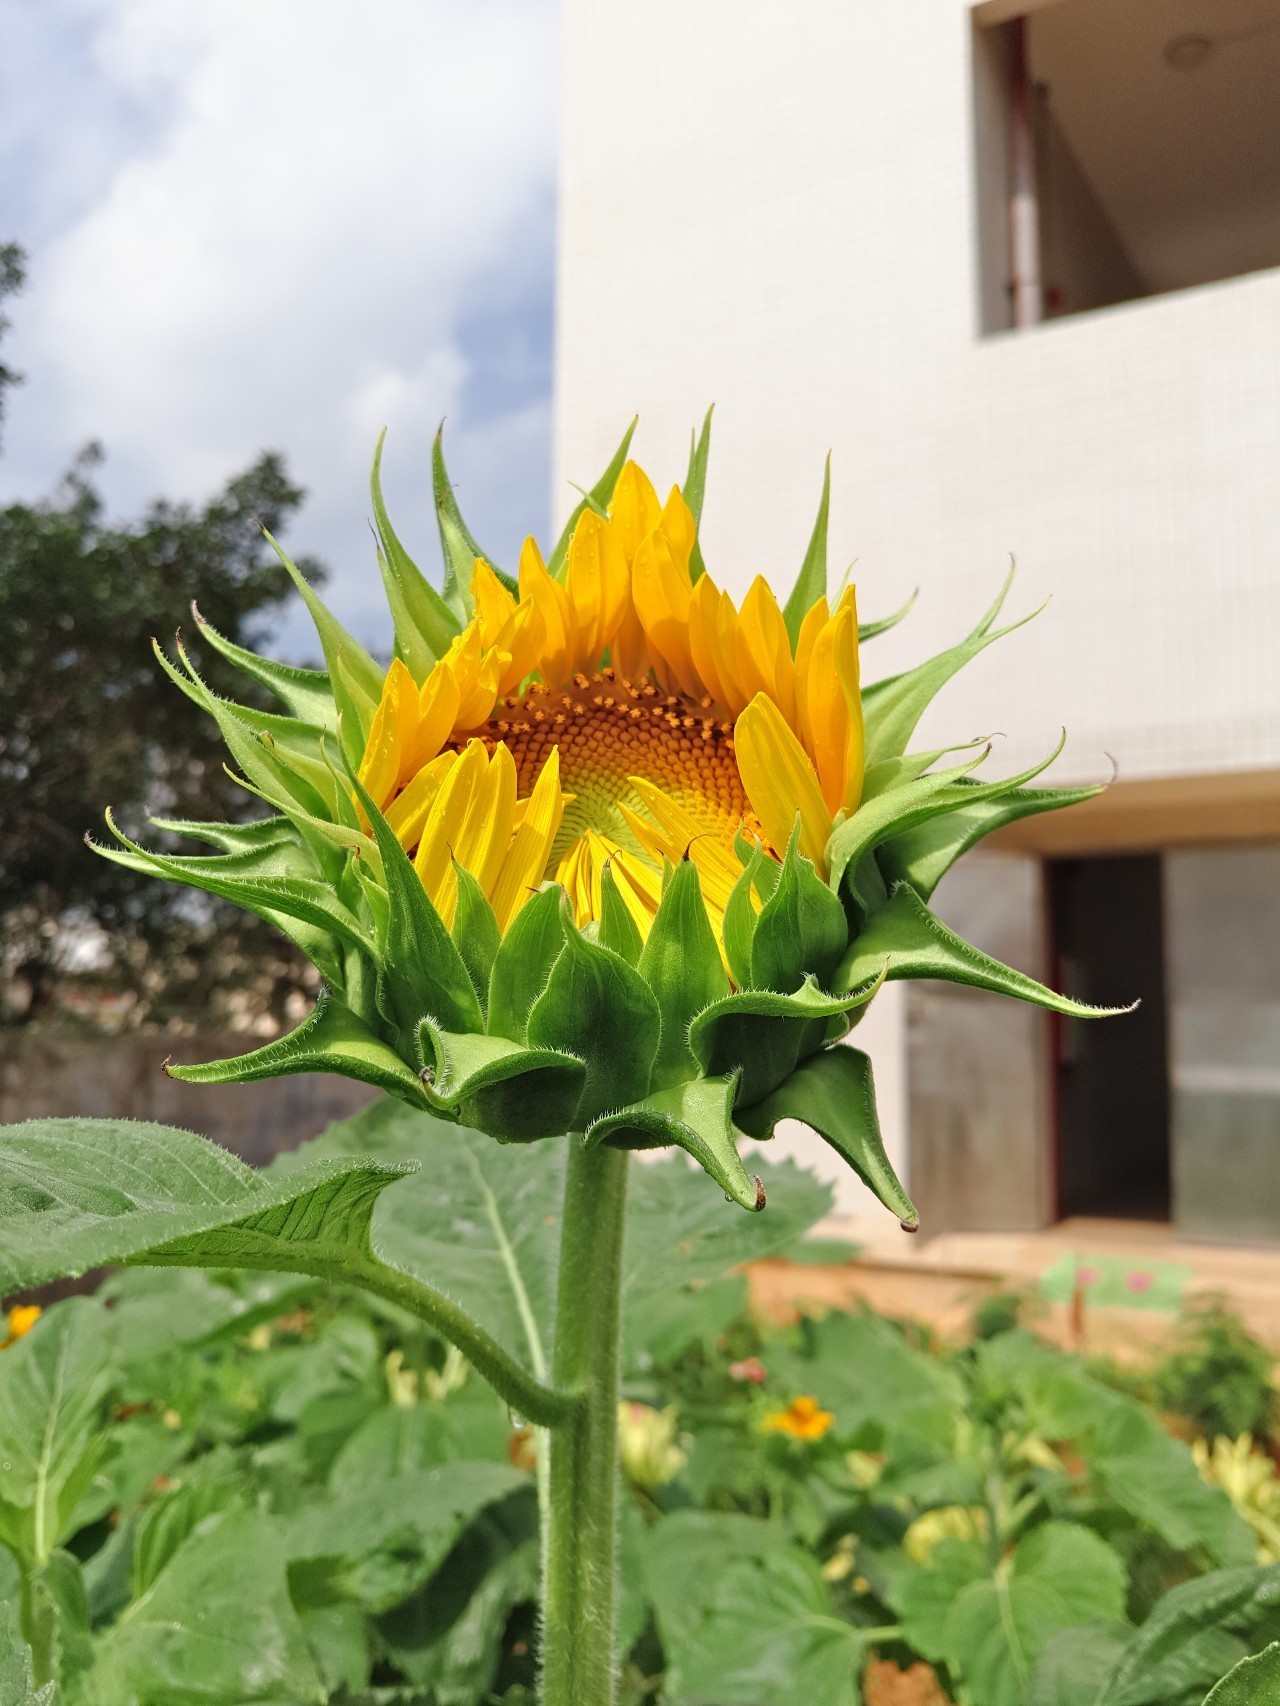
point(306, 693)
point(425, 624)
point(801, 930)
point(475, 933)
point(598, 499)
point(332, 1039)
point(882, 624)
point(917, 944)
point(599, 1008)
point(892, 708)
point(811, 582)
point(523, 963)
point(762, 1035)
point(618, 929)
point(458, 545)
point(515, 1094)
point(922, 856)
point(698, 1117)
point(681, 964)
point(833, 1094)
point(695, 487)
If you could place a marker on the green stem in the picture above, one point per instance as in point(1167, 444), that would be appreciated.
point(37, 1624)
point(579, 1573)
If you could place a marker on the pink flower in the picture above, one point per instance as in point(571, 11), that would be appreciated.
point(750, 1368)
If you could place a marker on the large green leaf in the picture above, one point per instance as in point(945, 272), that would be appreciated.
point(1181, 1644)
point(1255, 1681)
point(16, 1685)
point(833, 1094)
point(915, 943)
point(1075, 1664)
point(746, 1617)
point(216, 1626)
point(52, 1387)
point(384, 1541)
point(996, 1630)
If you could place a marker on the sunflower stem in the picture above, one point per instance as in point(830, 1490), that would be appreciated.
point(579, 1565)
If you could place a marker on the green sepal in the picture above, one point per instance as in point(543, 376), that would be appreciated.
point(599, 1008)
point(766, 870)
point(888, 813)
point(457, 543)
point(422, 974)
point(833, 1094)
point(764, 1035)
point(892, 708)
point(257, 835)
point(740, 921)
point(475, 933)
point(300, 748)
point(522, 965)
point(801, 931)
point(698, 1116)
point(896, 772)
point(918, 944)
point(694, 490)
point(305, 692)
point(923, 855)
point(811, 582)
point(618, 929)
point(354, 677)
point(681, 964)
point(331, 1040)
point(515, 1094)
point(262, 882)
point(425, 623)
point(598, 497)
point(882, 625)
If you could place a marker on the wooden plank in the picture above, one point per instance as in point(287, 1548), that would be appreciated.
point(1156, 813)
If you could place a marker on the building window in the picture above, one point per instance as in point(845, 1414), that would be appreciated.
point(1122, 150)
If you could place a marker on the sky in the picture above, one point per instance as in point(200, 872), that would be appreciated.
point(286, 224)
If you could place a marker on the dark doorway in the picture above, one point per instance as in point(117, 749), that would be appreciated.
point(1112, 1074)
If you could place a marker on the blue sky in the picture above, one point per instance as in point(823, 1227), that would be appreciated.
point(285, 226)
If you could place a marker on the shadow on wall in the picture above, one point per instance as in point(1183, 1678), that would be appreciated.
point(44, 1075)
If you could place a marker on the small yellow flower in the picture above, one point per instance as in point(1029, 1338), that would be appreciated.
point(1248, 1477)
point(627, 716)
point(804, 1418)
point(19, 1322)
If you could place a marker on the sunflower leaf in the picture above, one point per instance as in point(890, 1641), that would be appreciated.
point(599, 1008)
point(811, 582)
point(917, 944)
point(698, 1116)
point(425, 623)
point(492, 1085)
point(681, 965)
point(833, 1094)
point(601, 493)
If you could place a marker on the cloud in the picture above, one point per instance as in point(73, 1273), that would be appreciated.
point(312, 220)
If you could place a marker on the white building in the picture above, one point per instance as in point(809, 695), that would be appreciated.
point(825, 217)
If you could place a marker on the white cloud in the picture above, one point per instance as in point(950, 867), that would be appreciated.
point(329, 212)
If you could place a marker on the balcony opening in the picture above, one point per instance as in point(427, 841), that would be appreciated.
point(1122, 150)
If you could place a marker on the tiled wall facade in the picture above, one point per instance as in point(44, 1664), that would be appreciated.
point(772, 208)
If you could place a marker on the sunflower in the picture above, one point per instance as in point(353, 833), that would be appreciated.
point(629, 715)
point(602, 851)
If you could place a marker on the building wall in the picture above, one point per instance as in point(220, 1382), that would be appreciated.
point(772, 209)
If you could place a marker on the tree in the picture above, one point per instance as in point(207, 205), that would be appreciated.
point(13, 273)
point(88, 719)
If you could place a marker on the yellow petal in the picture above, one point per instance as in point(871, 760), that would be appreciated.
point(831, 711)
point(393, 729)
point(662, 595)
point(679, 527)
point(409, 811)
point(551, 601)
point(635, 510)
point(445, 824)
point(484, 838)
point(763, 651)
point(525, 863)
point(574, 874)
point(703, 648)
point(494, 604)
point(438, 706)
point(639, 887)
point(780, 780)
point(597, 585)
point(683, 834)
